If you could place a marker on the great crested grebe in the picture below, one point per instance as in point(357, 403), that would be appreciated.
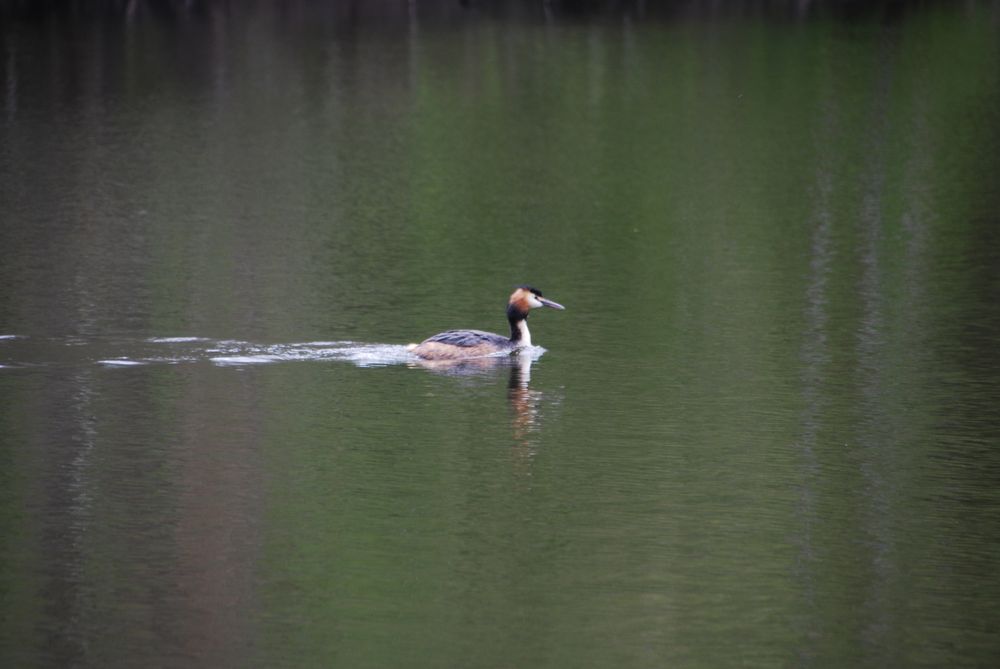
point(457, 344)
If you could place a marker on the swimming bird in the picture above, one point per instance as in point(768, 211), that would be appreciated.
point(457, 344)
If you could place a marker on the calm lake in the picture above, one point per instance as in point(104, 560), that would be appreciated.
point(765, 431)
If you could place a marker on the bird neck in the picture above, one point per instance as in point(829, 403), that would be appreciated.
point(519, 333)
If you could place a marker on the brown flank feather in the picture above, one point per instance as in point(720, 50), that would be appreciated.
point(432, 350)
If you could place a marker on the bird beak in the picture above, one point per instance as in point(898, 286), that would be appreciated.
point(550, 303)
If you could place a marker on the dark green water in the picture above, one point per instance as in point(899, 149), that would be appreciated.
point(766, 430)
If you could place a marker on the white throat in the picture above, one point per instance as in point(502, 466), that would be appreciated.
point(525, 341)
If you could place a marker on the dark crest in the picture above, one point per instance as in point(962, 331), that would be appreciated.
point(532, 289)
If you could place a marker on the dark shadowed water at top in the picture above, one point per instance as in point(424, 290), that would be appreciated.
point(765, 431)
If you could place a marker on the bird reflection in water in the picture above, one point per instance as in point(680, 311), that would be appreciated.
point(524, 402)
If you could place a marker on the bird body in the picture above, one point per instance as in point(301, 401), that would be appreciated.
point(458, 344)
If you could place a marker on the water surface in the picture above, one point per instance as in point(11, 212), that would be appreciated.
point(763, 433)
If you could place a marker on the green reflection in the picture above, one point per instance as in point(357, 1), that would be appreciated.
point(763, 431)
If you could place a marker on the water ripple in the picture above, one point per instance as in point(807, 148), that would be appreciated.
point(24, 352)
